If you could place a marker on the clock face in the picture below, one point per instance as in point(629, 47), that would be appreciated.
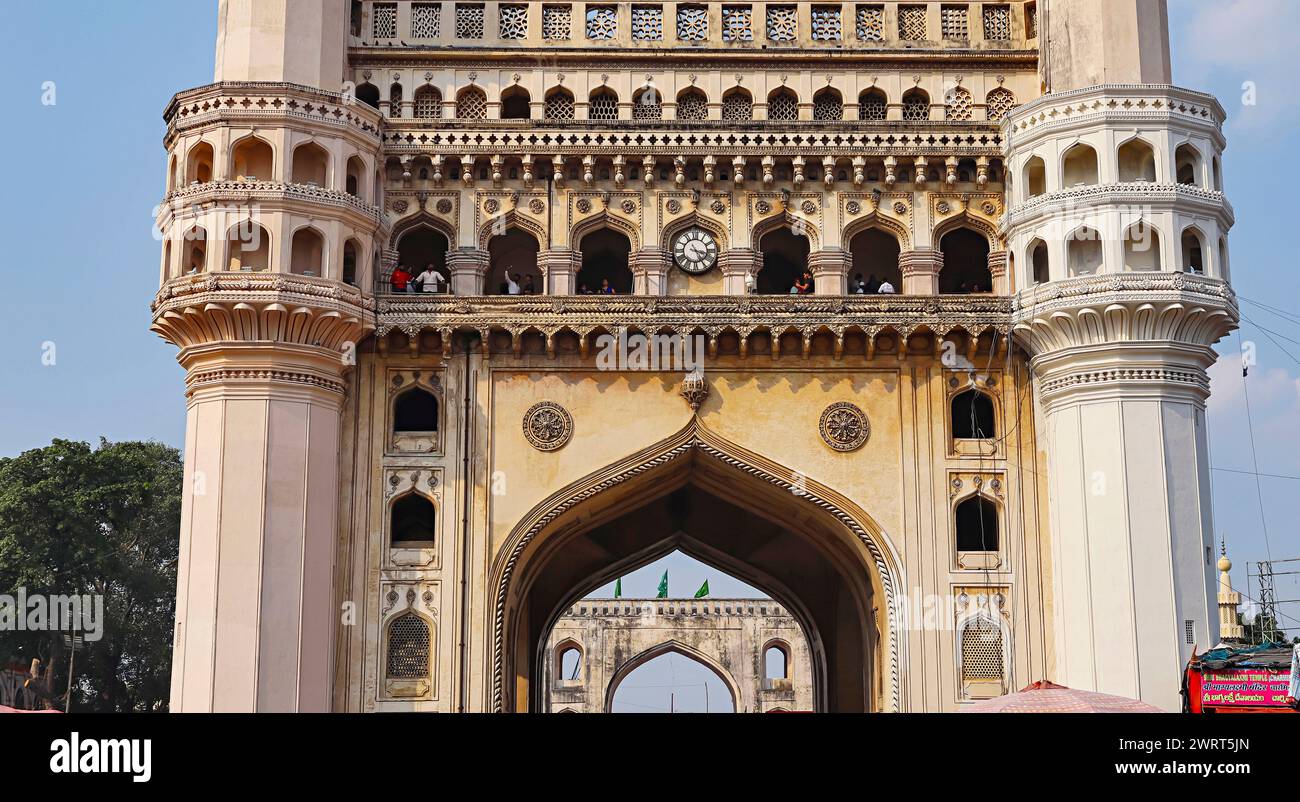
point(695, 251)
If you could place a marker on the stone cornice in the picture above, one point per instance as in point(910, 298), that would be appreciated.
point(1145, 104)
point(712, 315)
point(267, 103)
point(1125, 308)
point(584, 137)
point(1128, 196)
point(259, 308)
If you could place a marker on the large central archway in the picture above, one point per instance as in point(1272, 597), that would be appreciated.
point(806, 545)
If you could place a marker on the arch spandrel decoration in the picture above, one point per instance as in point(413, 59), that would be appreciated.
point(503, 223)
point(690, 220)
point(694, 439)
point(422, 219)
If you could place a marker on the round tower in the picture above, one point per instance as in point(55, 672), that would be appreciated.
point(270, 227)
point(1117, 229)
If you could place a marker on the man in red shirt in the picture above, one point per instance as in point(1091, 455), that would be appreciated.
point(401, 279)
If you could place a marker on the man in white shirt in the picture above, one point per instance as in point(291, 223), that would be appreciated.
point(430, 280)
point(886, 288)
point(751, 283)
point(512, 284)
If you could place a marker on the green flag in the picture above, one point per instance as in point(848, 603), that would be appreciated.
point(663, 586)
point(703, 591)
point(618, 588)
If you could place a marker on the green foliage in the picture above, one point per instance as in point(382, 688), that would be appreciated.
point(77, 520)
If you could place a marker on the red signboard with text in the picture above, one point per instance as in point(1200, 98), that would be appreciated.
point(1243, 688)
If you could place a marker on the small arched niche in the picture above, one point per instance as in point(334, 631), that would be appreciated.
point(413, 522)
point(1079, 166)
point(1084, 252)
point(1137, 161)
point(1142, 248)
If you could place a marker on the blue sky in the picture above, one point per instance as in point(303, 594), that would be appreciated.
point(81, 264)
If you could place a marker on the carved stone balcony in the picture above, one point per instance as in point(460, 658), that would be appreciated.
point(242, 194)
point(829, 325)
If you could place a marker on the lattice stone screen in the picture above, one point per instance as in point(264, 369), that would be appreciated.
point(783, 106)
point(693, 106)
point(648, 23)
point(957, 104)
point(602, 22)
point(911, 23)
point(426, 20)
point(737, 24)
point(981, 651)
point(871, 23)
point(513, 23)
point(469, 20)
point(916, 107)
point(408, 648)
point(385, 21)
point(872, 106)
point(827, 26)
point(559, 106)
point(737, 108)
point(471, 105)
point(1000, 101)
point(557, 22)
point(954, 22)
point(395, 101)
point(827, 106)
point(692, 23)
point(647, 105)
point(1031, 21)
point(997, 22)
point(428, 102)
point(782, 23)
point(604, 106)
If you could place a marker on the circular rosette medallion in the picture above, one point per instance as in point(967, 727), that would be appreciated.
point(548, 426)
point(844, 427)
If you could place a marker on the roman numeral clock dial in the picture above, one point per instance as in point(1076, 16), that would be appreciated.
point(695, 251)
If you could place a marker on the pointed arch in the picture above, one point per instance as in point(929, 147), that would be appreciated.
point(874, 219)
point(965, 219)
point(417, 220)
point(785, 219)
point(503, 223)
point(669, 232)
point(669, 647)
point(596, 222)
point(695, 449)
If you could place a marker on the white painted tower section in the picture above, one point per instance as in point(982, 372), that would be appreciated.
point(1117, 227)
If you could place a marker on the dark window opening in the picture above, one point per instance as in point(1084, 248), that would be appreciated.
point(415, 411)
point(413, 521)
point(977, 525)
point(972, 416)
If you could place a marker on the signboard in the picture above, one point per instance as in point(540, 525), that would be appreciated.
point(1250, 687)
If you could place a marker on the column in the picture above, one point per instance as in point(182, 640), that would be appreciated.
point(468, 267)
point(650, 271)
point(920, 269)
point(830, 270)
point(735, 264)
point(255, 606)
point(558, 267)
point(998, 270)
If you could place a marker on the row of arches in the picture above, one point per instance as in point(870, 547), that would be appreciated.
point(1142, 251)
point(606, 260)
point(647, 103)
point(1134, 161)
point(252, 158)
point(247, 245)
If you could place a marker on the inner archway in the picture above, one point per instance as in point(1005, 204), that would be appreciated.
point(699, 686)
point(605, 268)
point(785, 260)
point(813, 552)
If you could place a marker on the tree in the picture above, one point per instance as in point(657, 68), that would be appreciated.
point(104, 522)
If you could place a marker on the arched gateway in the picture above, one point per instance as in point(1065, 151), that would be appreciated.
point(809, 547)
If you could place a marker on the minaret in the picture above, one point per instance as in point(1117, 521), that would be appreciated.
point(1117, 229)
point(270, 227)
point(1230, 628)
